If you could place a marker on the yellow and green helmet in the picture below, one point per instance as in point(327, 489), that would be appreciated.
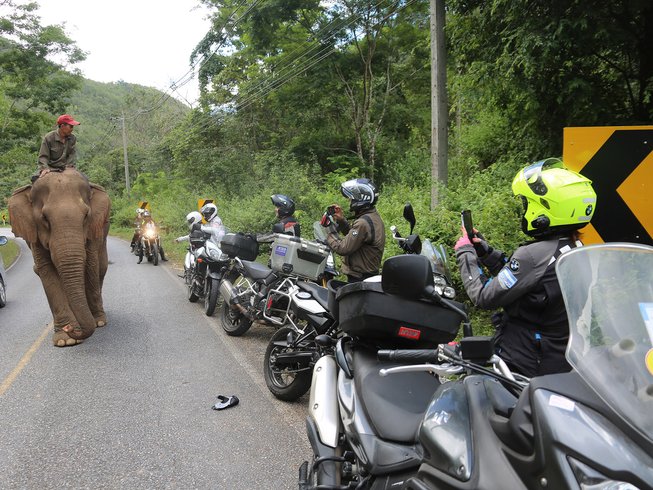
point(555, 199)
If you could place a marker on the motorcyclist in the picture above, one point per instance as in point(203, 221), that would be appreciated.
point(364, 241)
point(213, 224)
point(147, 221)
point(284, 209)
point(191, 218)
point(532, 330)
point(137, 228)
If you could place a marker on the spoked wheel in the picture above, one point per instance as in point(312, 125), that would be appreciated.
point(233, 321)
point(211, 293)
point(288, 380)
point(3, 294)
point(155, 254)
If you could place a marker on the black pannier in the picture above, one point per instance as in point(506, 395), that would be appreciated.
point(390, 321)
point(239, 245)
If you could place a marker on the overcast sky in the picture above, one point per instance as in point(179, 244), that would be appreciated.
point(147, 42)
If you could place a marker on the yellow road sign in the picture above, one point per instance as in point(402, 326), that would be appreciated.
point(619, 161)
point(144, 205)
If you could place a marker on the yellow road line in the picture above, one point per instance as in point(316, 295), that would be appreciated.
point(9, 380)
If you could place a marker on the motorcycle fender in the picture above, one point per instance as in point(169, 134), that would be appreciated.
point(323, 404)
point(189, 260)
point(214, 275)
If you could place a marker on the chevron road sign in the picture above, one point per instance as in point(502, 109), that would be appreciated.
point(619, 161)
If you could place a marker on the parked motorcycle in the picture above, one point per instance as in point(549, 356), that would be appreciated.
point(589, 428)
point(149, 244)
point(293, 351)
point(204, 266)
point(246, 285)
point(362, 427)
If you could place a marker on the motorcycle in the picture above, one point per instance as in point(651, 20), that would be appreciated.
point(362, 427)
point(589, 428)
point(203, 269)
point(251, 290)
point(149, 244)
point(292, 351)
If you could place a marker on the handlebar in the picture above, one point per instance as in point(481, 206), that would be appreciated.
point(408, 355)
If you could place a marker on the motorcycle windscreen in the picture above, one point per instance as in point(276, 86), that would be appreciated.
point(608, 294)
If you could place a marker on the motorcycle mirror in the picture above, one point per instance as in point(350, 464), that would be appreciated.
point(409, 215)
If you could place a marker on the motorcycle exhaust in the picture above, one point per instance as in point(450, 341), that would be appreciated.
point(229, 294)
point(227, 291)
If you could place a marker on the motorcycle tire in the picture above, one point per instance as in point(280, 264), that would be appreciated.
point(155, 254)
point(233, 323)
point(285, 384)
point(211, 294)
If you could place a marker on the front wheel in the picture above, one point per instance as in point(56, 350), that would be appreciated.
point(155, 254)
point(233, 322)
point(287, 381)
point(3, 294)
point(211, 294)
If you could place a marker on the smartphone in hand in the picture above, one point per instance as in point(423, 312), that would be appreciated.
point(466, 217)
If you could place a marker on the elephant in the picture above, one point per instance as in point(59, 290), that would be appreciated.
point(65, 221)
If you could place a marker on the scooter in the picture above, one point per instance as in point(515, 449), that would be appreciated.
point(362, 427)
point(589, 428)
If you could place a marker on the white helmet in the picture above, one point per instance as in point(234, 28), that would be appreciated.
point(209, 211)
point(192, 218)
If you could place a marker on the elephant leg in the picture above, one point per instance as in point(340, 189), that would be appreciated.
point(57, 299)
point(96, 268)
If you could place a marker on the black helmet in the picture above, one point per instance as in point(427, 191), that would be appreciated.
point(362, 193)
point(284, 203)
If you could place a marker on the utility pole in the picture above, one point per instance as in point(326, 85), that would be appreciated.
point(439, 105)
point(124, 152)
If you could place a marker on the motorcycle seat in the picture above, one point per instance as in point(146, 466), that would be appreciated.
point(257, 271)
point(394, 405)
point(320, 294)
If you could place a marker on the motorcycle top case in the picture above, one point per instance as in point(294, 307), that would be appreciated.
point(389, 321)
point(297, 256)
point(239, 245)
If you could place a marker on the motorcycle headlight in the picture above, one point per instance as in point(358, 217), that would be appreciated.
point(149, 233)
point(590, 479)
point(214, 254)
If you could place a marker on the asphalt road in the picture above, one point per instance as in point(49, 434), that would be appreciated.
point(130, 408)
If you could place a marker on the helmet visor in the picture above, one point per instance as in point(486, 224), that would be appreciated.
point(533, 174)
point(353, 189)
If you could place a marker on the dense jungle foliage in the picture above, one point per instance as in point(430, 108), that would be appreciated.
point(300, 95)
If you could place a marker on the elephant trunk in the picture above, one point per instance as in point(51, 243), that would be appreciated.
point(72, 270)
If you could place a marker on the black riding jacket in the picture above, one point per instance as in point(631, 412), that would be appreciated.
point(288, 225)
point(533, 330)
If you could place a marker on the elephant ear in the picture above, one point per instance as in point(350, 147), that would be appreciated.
point(100, 210)
point(21, 215)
